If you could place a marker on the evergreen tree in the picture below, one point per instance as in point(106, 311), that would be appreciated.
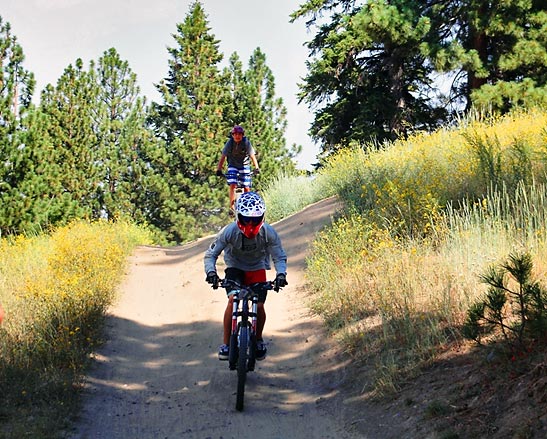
point(370, 79)
point(371, 75)
point(16, 155)
point(38, 200)
point(510, 44)
point(190, 125)
point(122, 138)
point(71, 110)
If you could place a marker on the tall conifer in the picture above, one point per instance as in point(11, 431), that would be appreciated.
point(20, 162)
point(123, 141)
point(71, 109)
point(190, 123)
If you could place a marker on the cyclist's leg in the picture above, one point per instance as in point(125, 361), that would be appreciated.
point(237, 275)
point(232, 181)
point(245, 178)
point(232, 194)
point(252, 277)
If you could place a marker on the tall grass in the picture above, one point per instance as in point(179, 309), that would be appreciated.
point(286, 195)
point(55, 290)
point(426, 217)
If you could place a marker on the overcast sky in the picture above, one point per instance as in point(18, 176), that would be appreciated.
point(54, 33)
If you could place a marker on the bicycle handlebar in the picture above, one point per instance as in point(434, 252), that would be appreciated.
point(254, 173)
point(268, 285)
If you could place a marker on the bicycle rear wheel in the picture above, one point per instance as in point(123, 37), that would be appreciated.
point(242, 366)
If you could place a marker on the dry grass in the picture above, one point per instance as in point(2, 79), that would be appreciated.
point(395, 276)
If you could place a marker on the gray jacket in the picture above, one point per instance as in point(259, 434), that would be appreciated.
point(247, 254)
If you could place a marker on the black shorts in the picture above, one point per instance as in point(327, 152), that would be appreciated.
point(246, 278)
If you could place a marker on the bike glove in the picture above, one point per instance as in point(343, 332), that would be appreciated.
point(280, 281)
point(213, 279)
point(256, 171)
point(219, 173)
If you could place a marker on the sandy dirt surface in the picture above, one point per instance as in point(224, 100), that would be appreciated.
point(158, 376)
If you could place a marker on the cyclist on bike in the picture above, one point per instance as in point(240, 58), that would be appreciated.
point(239, 152)
point(248, 244)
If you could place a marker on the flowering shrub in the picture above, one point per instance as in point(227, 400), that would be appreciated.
point(396, 275)
point(56, 289)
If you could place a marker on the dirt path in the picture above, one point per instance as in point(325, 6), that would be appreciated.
point(158, 375)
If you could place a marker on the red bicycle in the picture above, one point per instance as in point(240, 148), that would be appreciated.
point(243, 343)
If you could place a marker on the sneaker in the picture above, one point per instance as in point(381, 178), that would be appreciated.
point(261, 350)
point(223, 352)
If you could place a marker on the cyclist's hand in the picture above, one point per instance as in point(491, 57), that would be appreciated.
point(280, 281)
point(213, 279)
point(219, 173)
point(256, 171)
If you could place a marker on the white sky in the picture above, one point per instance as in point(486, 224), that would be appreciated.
point(54, 33)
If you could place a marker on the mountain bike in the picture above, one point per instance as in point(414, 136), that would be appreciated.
point(243, 343)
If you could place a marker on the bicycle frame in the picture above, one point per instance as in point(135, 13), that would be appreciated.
point(244, 316)
point(243, 343)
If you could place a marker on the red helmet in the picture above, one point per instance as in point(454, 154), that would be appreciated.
point(250, 209)
point(238, 129)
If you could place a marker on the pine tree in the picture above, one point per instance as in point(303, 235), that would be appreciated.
point(122, 138)
point(369, 78)
point(42, 202)
point(17, 178)
point(510, 41)
point(190, 124)
point(371, 75)
point(495, 51)
point(71, 110)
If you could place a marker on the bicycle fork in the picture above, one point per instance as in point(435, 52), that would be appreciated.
point(246, 318)
point(234, 333)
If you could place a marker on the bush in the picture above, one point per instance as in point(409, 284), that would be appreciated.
point(514, 305)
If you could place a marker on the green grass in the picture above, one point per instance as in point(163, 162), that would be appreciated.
point(287, 195)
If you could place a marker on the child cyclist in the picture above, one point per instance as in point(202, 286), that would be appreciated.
point(239, 152)
point(248, 244)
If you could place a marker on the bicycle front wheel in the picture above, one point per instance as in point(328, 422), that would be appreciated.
point(252, 353)
point(242, 366)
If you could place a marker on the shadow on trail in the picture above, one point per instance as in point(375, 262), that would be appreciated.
point(292, 226)
point(180, 254)
point(300, 230)
point(166, 381)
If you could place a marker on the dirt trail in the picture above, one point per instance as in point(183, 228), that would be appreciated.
point(158, 375)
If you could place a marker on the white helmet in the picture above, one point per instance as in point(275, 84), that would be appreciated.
point(250, 209)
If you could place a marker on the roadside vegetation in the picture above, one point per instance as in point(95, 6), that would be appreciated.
point(426, 220)
point(400, 276)
point(394, 277)
point(55, 289)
